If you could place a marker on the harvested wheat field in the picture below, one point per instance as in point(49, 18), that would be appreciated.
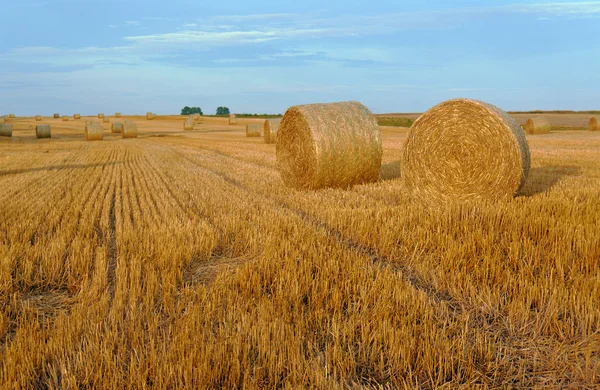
point(180, 259)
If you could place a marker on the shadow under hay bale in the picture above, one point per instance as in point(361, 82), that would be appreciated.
point(328, 145)
point(270, 129)
point(537, 125)
point(465, 149)
point(543, 179)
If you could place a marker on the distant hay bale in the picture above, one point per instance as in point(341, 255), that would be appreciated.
point(197, 118)
point(43, 131)
point(593, 125)
point(270, 129)
point(65, 118)
point(188, 124)
point(76, 116)
point(11, 116)
point(38, 118)
point(116, 127)
point(253, 130)
point(129, 129)
point(105, 119)
point(465, 149)
point(537, 125)
point(56, 116)
point(117, 114)
point(232, 119)
point(328, 145)
point(100, 115)
point(5, 130)
point(94, 131)
point(150, 116)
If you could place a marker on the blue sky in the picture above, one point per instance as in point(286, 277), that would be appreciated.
point(136, 56)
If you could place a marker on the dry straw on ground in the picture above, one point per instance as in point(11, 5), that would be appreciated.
point(232, 119)
point(465, 149)
point(77, 116)
point(593, 125)
point(117, 115)
point(116, 127)
point(105, 119)
point(328, 145)
point(56, 116)
point(129, 129)
point(100, 115)
point(188, 124)
point(253, 130)
point(65, 118)
point(270, 129)
point(537, 125)
point(5, 130)
point(38, 118)
point(94, 131)
point(43, 131)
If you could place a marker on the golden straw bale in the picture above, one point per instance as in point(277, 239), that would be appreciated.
point(117, 114)
point(465, 149)
point(116, 127)
point(129, 129)
point(232, 119)
point(38, 118)
point(77, 116)
point(537, 125)
point(593, 126)
point(94, 131)
point(328, 145)
point(56, 116)
point(100, 115)
point(270, 129)
point(150, 116)
point(11, 116)
point(65, 118)
point(43, 131)
point(188, 124)
point(5, 130)
point(253, 130)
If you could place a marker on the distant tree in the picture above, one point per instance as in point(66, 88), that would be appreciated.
point(191, 110)
point(223, 111)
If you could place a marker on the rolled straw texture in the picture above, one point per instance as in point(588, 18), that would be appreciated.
point(270, 129)
point(5, 130)
point(253, 130)
point(328, 145)
point(94, 131)
point(593, 125)
point(129, 129)
point(116, 127)
point(465, 149)
point(43, 131)
point(537, 125)
point(232, 119)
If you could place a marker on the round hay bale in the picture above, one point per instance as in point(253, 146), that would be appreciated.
point(188, 124)
point(537, 125)
point(270, 129)
point(65, 118)
point(593, 125)
point(38, 118)
point(465, 149)
point(129, 129)
point(94, 131)
point(253, 130)
point(232, 119)
point(43, 131)
point(117, 114)
point(77, 116)
point(150, 116)
point(100, 115)
point(328, 145)
point(5, 130)
point(116, 127)
point(105, 119)
point(56, 116)
point(11, 116)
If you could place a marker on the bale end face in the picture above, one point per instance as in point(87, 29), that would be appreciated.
point(593, 125)
point(463, 150)
point(5, 130)
point(253, 130)
point(43, 131)
point(129, 129)
point(328, 145)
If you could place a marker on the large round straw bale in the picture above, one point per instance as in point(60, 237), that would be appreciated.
point(77, 116)
point(232, 119)
point(537, 125)
point(56, 116)
point(593, 125)
point(43, 131)
point(65, 118)
point(94, 131)
point(188, 124)
point(270, 129)
point(129, 129)
point(38, 118)
point(465, 149)
point(6, 130)
point(253, 130)
point(117, 114)
point(100, 115)
point(328, 145)
point(116, 127)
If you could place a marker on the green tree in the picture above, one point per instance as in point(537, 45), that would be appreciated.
point(191, 110)
point(223, 111)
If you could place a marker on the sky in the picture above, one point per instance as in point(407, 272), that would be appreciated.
point(135, 56)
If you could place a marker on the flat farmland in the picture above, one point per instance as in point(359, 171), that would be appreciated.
point(179, 259)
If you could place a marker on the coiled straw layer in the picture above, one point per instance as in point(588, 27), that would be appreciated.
point(537, 125)
point(270, 129)
point(593, 125)
point(465, 149)
point(328, 145)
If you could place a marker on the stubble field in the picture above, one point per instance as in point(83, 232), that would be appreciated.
point(180, 260)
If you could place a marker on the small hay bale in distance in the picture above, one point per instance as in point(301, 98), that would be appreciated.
point(43, 131)
point(188, 124)
point(150, 116)
point(116, 127)
point(253, 130)
point(463, 150)
point(77, 116)
point(232, 119)
point(593, 125)
point(38, 118)
point(537, 125)
point(129, 129)
point(56, 116)
point(6, 130)
point(270, 129)
point(100, 116)
point(117, 114)
point(94, 131)
point(11, 116)
point(65, 118)
point(328, 145)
